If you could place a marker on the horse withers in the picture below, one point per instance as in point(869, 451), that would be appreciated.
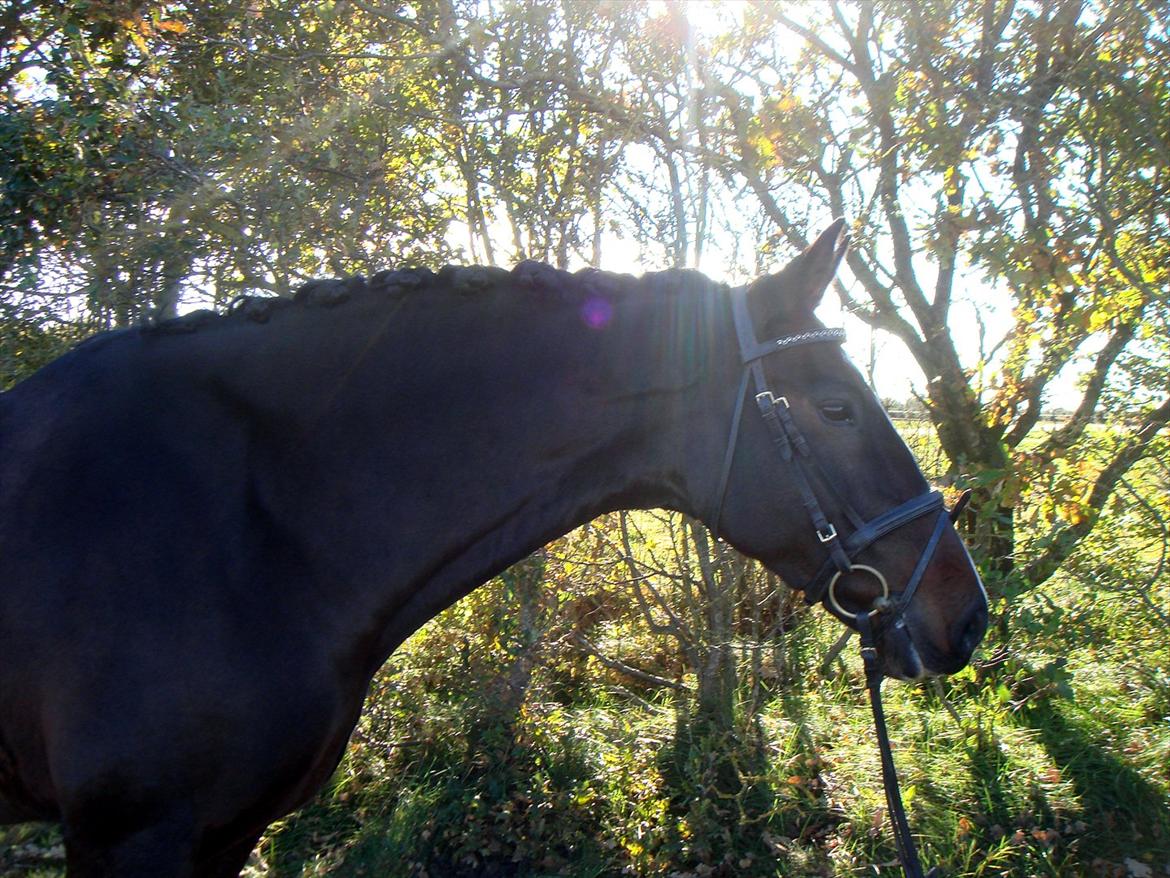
point(213, 531)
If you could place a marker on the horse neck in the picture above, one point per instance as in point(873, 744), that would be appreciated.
point(447, 443)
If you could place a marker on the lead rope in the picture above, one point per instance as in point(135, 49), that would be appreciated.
point(794, 450)
point(903, 840)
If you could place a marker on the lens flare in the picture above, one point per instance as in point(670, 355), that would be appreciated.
point(596, 312)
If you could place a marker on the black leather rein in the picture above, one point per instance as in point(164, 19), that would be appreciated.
point(802, 465)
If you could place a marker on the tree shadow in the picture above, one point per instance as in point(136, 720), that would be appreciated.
point(1128, 816)
point(719, 783)
point(820, 817)
point(989, 765)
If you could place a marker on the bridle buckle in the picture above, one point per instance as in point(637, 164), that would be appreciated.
point(828, 535)
point(766, 400)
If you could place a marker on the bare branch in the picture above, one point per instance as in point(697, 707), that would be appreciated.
point(835, 651)
point(677, 628)
point(629, 670)
point(1072, 430)
point(1131, 450)
point(812, 39)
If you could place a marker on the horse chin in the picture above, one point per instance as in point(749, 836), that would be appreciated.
point(900, 658)
point(904, 660)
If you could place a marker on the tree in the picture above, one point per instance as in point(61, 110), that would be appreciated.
point(1005, 165)
point(1022, 148)
point(157, 152)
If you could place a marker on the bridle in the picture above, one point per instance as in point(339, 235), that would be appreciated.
point(797, 456)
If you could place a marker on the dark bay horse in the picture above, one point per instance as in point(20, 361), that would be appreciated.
point(215, 530)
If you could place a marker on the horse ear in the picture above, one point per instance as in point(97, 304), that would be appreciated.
point(802, 283)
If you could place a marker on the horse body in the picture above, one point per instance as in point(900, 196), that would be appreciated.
point(240, 534)
point(211, 540)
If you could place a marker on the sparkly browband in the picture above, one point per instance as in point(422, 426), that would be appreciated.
point(755, 351)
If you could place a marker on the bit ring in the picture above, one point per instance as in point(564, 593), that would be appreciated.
point(880, 602)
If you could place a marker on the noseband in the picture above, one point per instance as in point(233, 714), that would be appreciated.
point(797, 456)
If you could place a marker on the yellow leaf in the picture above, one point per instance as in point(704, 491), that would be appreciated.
point(764, 146)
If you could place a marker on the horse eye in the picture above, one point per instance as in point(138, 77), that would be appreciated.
point(837, 412)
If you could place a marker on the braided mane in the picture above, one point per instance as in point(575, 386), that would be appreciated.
point(535, 278)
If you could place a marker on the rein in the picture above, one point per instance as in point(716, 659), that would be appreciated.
point(796, 454)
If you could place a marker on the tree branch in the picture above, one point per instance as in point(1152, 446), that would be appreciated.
point(1072, 429)
point(812, 39)
point(1064, 542)
point(621, 667)
point(677, 628)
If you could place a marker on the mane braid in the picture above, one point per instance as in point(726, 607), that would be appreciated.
point(537, 278)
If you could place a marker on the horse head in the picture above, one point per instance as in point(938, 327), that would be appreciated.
point(818, 485)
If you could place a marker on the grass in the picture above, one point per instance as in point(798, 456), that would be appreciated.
point(1049, 788)
point(1036, 778)
point(1038, 791)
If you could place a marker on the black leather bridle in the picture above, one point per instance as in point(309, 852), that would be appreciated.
point(797, 455)
point(802, 465)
